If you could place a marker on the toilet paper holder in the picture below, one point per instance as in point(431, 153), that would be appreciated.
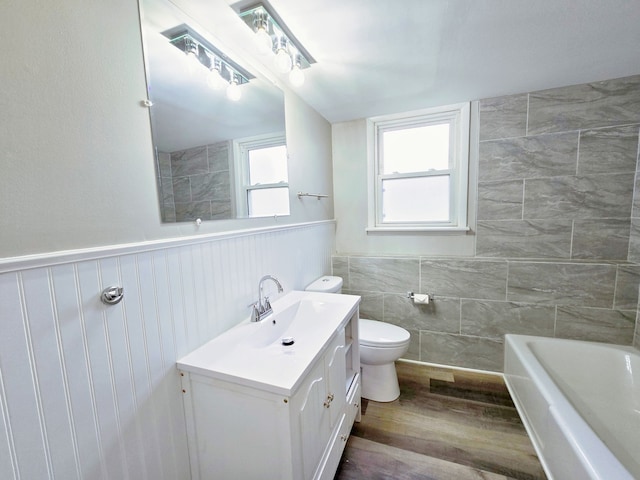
point(420, 299)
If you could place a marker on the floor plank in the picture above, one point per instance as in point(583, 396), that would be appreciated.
point(446, 424)
point(375, 461)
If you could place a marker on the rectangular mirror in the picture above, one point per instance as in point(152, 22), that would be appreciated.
point(208, 142)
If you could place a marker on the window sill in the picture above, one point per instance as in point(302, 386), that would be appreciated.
point(417, 230)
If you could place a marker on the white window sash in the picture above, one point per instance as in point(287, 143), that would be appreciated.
point(241, 148)
point(458, 118)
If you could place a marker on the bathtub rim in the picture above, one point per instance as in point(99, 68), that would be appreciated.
point(589, 450)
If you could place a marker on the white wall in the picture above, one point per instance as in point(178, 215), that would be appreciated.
point(76, 159)
point(310, 169)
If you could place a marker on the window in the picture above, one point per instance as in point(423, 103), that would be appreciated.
point(262, 182)
point(419, 170)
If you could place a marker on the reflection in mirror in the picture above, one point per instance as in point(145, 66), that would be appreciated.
point(205, 137)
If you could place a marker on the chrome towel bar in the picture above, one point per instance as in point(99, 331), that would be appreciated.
point(317, 195)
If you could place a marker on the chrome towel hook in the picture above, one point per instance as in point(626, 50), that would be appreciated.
point(112, 295)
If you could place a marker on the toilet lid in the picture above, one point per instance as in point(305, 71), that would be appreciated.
point(379, 334)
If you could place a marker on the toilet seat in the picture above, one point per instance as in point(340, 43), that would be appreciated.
point(381, 335)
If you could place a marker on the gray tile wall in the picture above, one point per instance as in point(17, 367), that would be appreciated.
point(196, 183)
point(558, 234)
point(165, 187)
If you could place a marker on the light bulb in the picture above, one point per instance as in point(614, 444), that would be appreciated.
point(263, 41)
point(215, 80)
point(233, 91)
point(192, 63)
point(296, 77)
point(283, 61)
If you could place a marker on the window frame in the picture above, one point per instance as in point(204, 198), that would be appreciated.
point(458, 116)
point(241, 148)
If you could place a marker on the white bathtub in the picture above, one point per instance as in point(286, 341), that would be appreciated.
point(580, 403)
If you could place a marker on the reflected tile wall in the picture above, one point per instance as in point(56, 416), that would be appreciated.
point(557, 238)
point(201, 183)
point(165, 187)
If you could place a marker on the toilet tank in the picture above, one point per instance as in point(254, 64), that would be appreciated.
point(326, 284)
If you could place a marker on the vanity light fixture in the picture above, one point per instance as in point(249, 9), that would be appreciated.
point(263, 38)
point(221, 70)
point(272, 35)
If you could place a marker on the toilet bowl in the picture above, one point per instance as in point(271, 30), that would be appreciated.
point(381, 344)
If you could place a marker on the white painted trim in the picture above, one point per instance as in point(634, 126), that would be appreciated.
point(383, 230)
point(240, 163)
point(11, 264)
point(458, 116)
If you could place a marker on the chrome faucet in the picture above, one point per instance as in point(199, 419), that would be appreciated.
point(262, 307)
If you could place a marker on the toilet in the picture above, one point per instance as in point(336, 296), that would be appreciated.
point(381, 344)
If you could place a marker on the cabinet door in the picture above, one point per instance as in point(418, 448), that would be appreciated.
point(336, 381)
point(314, 419)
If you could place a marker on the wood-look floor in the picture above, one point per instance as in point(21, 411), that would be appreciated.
point(447, 424)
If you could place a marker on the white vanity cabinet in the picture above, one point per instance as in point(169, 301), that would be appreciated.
point(249, 430)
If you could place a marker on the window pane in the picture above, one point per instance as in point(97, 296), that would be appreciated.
point(416, 149)
point(423, 199)
point(266, 202)
point(268, 165)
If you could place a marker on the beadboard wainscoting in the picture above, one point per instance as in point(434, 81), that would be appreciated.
point(90, 391)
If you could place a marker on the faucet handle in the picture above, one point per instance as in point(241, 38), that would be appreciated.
point(267, 304)
point(255, 312)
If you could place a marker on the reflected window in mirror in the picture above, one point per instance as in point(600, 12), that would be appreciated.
point(194, 126)
point(263, 188)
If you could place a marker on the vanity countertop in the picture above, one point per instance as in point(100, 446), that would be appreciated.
point(253, 354)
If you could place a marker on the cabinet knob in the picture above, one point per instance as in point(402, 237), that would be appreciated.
point(343, 437)
point(327, 402)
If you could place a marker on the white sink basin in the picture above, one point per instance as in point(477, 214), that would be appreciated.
point(275, 327)
point(252, 353)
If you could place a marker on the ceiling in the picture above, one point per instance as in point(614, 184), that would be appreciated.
point(383, 56)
